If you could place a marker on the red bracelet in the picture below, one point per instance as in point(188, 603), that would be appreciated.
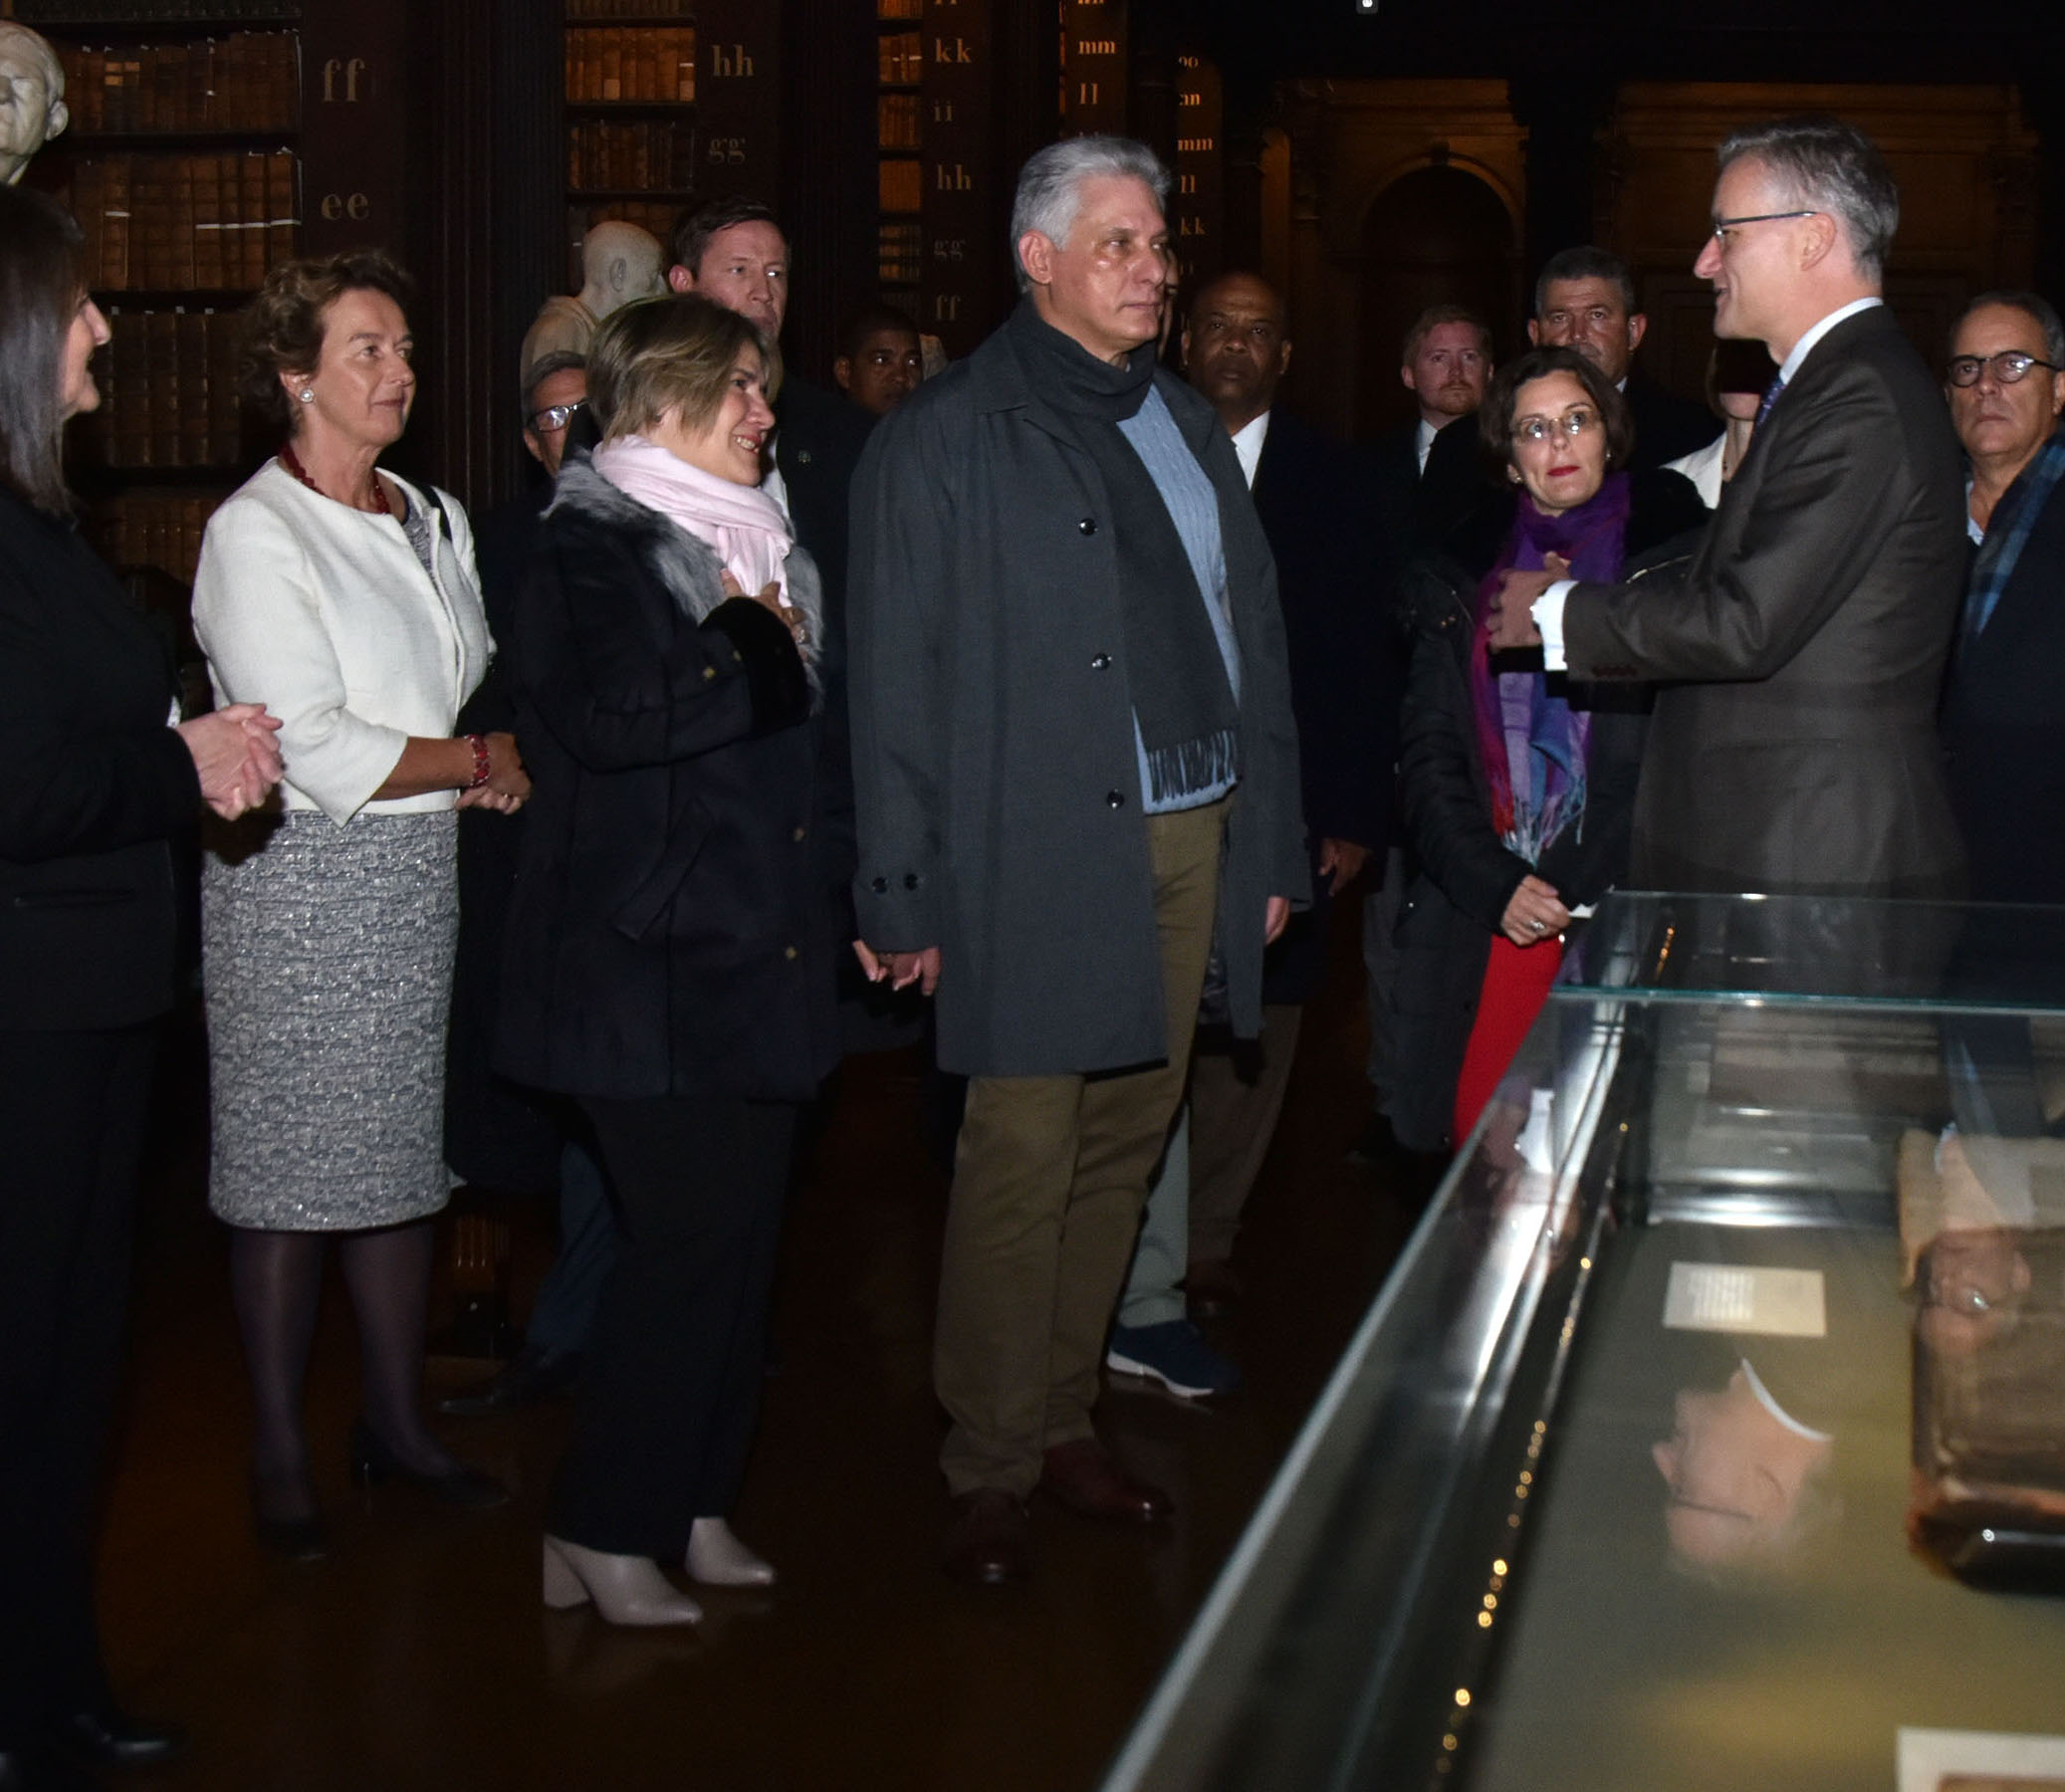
point(480, 760)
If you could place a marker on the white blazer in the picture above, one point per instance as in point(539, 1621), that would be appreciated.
point(325, 614)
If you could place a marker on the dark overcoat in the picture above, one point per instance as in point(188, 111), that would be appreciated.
point(2004, 727)
point(673, 924)
point(1800, 652)
point(994, 771)
point(1467, 875)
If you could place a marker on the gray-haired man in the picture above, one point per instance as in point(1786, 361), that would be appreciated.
point(1074, 751)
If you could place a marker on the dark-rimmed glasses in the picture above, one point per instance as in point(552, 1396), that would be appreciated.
point(2010, 367)
point(1722, 226)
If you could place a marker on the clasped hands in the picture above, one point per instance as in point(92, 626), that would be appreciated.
point(1510, 617)
point(768, 596)
point(235, 756)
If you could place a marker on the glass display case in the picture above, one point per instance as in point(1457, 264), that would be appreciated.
point(1710, 1432)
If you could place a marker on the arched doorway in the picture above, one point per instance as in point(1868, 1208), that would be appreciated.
point(1435, 236)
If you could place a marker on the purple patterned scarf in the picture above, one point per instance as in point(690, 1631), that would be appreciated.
point(1532, 743)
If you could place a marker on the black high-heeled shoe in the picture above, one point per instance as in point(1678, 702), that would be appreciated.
point(284, 1517)
point(372, 1460)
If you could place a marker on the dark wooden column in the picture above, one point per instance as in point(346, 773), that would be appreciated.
point(529, 144)
point(827, 194)
point(1564, 104)
point(2043, 104)
point(449, 161)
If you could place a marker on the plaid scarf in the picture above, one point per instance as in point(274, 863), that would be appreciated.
point(2014, 519)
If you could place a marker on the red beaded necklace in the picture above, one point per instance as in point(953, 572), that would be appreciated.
point(291, 462)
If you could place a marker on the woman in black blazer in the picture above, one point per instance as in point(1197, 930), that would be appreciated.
point(101, 775)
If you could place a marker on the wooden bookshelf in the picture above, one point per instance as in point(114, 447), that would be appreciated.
point(182, 166)
point(667, 107)
point(899, 140)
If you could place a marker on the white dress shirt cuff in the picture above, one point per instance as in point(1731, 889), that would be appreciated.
point(1547, 611)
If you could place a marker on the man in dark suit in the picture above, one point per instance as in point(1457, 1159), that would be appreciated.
point(1800, 649)
point(1427, 471)
point(1429, 476)
point(497, 1135)
point(734, 252)
point(1585, 299)
point(2003, 707)
point(1346, 682)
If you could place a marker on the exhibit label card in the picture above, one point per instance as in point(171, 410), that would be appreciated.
point(1727, 1297)
point(1935, 1760)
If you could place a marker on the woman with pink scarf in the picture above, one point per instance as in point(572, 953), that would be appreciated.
point(672, 935)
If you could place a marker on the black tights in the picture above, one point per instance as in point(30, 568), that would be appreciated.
point(275, 1278)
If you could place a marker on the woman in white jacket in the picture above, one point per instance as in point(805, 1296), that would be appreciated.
point(348, 596)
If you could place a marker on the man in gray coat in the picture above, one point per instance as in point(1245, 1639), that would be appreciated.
point(1802, 647)
point(1073, 756)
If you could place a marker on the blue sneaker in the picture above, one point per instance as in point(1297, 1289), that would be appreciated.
point(1172, 1352)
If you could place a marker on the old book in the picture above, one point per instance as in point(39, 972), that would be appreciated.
point(209, 266)
point(283, 215)
point(225, 419)
point(902, 186)
point(896, 121)
point(162, 372)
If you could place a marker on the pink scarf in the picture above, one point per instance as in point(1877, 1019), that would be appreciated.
point(742, 523)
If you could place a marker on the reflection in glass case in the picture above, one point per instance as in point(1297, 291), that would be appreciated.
point(1721, 1383)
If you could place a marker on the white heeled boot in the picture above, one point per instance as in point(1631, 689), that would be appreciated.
point(719, 1559)
point(626, 1589)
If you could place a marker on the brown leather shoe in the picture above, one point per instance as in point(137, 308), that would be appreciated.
point(1211, 1288)
point(1083, 1476)
point(989, 1541)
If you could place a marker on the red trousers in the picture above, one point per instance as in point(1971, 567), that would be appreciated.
point(1517, 984)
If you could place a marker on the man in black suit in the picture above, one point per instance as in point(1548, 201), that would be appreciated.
point(734, 252)
point(1585, 299)
point(2004, 709)
point(1427, 473)
point(1429, 477)
point(497, 1135)
point(1346, 681)
point(1800, 648)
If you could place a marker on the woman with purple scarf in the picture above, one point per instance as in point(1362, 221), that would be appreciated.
point(1517, 785)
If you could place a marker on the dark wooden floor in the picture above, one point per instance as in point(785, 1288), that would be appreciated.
point(418, 1654)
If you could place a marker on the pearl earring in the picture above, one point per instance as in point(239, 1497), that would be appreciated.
point(307, 395)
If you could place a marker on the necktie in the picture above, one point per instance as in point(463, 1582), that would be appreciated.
point(1770, 398)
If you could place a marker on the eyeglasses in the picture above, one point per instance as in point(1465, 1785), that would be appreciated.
point(2010, 367)
point(1573, 423)
point(555, 417)
point(1722, 226)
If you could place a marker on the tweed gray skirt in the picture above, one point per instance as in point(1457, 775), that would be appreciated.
point(328, 968)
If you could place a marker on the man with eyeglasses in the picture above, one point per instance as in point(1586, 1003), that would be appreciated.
point(2004, 709)
point(498, 1136)
point(1800, 649)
